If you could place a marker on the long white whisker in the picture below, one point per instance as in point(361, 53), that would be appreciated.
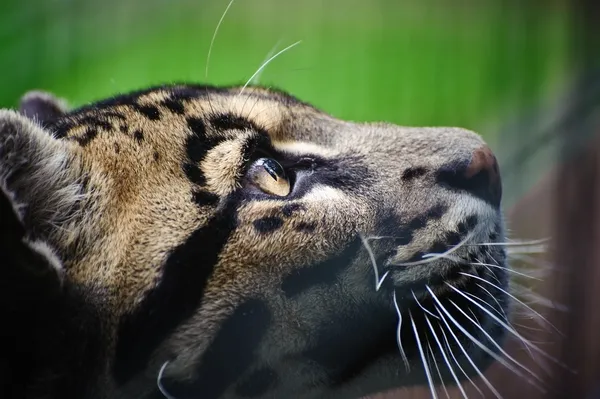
point(514, 243)
point(162, 389)
point(460, 345)
point(269, 55)
point(511, 296)
point(267, 63)
point(378, 282)
point(494, 355)
point(398, 335)
point(425, 364)
point(493, 341)
point(508, 269)
point(437, 368)
point(512, 330)
point(456, 360)
point(212, 41)
point(443, 352)
point(428, 258)
point(421, 306)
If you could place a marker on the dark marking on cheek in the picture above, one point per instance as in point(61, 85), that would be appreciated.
point(177, 296)
point(289, 209)
point(267, 224)
point(204, 198)
point(174, 105)
point(138, 135)
point(257, 383)
point(468, 225)
point(156, 156)
point(123, 128)
point(117, 148)
point(305, 227)
point(323, 273)
point(149, 111)
point(413, 173)
point(231, 353)
point(434, 213)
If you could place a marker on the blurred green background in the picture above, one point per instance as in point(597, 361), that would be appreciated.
point(476, 64)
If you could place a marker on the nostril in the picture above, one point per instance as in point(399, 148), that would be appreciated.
point(479, 176)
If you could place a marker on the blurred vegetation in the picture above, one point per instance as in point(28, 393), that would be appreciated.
point(470, 63)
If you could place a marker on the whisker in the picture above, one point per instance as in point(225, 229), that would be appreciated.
point(421, 306)
point(515, 243)
point(162, 389)
point(264, 64)
point(437, 368)
point(456, 360)
point(511, 296)
point(511, 330)
point(460, 345)
point(378, 282)
point(493, 341)
point(494, 355)
point(507, 269)
point(398, 335)
point(425, 364)
point(212, 41)
point(269, 54)
point(443, 352)
point(431, 257)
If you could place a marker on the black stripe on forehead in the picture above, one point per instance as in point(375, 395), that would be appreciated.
point(177, 296)
point(199, 143)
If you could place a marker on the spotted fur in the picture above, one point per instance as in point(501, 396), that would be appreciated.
point(135, 247)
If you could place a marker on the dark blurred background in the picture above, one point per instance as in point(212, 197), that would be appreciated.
point(521, 73)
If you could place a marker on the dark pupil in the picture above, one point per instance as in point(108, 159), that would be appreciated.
point(273, 168)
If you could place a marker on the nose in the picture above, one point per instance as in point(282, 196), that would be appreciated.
point(478, 175)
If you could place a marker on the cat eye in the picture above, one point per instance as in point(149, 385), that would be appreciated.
point(268, 175)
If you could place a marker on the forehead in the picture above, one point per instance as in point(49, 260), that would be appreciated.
point(165, 112)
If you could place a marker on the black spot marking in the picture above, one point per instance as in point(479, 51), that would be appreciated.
point(203, 198)
point(177, 296)
point(468, 224)
point(138, 135)
point(289, 209)
point(197, 126)
point(305, 227)
point(123, 128)
point(453, 238)
point(434, 213)
point(232, 122)
point(230, 354)
point(323, 273)
point(99, 122)
point(267, 224)
point(174, 105)
point(89, 135)
point(117, 148)
point(149, 111)
point(257, 383)
point(156, 156)
point(413, 173)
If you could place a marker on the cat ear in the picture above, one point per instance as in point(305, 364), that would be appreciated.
point(38, 174)
point(42, 107)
